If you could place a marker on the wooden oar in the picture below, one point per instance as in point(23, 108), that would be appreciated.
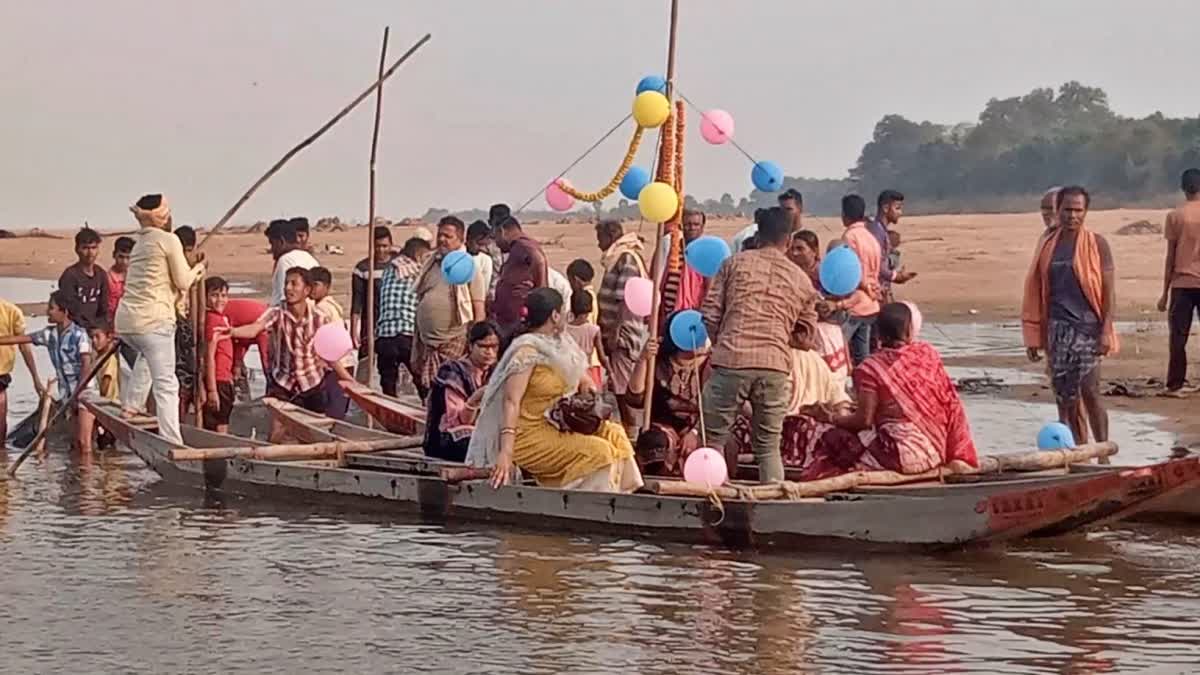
point(297, 451)
point(44, 406)
point(67, 405)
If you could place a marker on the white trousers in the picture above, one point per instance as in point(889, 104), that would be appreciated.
point(155, 366)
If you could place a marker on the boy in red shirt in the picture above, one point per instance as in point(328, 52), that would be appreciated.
point(243, 312)
point(218, 364)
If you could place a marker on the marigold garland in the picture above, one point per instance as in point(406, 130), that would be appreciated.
point(675, 257)
point(613, 184)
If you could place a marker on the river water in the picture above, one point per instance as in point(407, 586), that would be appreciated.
point(107, 569)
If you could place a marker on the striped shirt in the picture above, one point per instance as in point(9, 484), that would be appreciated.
point(67, 347)
point(398, 299)
point(295, 365)
point(358, 290)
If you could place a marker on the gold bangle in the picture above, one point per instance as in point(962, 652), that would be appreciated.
point(508, 430)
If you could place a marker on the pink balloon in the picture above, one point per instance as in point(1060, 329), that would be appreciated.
point(706, 467)
point(917, 319)
point(556, 198)
point(639, 296)
point(332, 342)
point(716, 126)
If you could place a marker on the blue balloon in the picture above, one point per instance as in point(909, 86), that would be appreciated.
point(841, 271)
point(688, 331)
point(1055, 436)
point(652, 83)
point(706, 254)
point(767, 176)
point(635, 179)
point(458, 267)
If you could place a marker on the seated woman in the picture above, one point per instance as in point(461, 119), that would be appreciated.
point(816, 390)
point(909, 417)
point(674, 406)
point(455, 393)
point(541, 366)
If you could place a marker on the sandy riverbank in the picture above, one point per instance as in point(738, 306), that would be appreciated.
point(971, 269)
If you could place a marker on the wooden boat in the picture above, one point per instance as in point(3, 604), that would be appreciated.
point(1154, 492)
point(399, 480)
point(399, 416)
point(303, 426)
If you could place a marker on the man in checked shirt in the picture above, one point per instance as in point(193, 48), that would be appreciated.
point(759, 305)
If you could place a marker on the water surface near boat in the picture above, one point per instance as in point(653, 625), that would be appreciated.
point(109, 569)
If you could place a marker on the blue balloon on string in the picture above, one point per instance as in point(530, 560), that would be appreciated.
point(652, 83)
point(841, 271)
point(458, 267)
point(706, 254)
point(688, 331)
point(767, 176)
point(1055, 436)
point(635, 179)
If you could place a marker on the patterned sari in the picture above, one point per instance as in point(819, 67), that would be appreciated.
point(920, 423)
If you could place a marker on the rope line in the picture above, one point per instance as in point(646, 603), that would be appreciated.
point(579, 159)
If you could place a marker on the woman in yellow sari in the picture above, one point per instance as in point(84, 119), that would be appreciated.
point(541, 366)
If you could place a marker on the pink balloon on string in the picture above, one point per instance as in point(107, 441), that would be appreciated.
point(716, 126)
point(557, 198)
point(706, 467)
point(332, 342)
point(639, 296)
point(917, 319)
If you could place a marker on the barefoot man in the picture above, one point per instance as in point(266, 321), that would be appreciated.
point(1068, 312)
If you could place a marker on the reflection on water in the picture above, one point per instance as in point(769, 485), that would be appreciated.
point(107, 569)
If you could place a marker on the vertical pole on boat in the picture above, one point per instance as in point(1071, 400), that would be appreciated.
point(656, 266)
point(369, 300)
point(199, 314)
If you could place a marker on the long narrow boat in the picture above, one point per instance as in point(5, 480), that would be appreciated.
point(1009, 509)
point(399, 416)
point(1155, 488)
point(303, 426)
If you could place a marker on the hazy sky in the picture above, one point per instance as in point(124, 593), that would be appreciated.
point(103, 101)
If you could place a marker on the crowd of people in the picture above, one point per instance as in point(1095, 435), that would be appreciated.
point(809, 383)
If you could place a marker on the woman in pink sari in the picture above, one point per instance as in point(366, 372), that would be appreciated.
point(908, 419)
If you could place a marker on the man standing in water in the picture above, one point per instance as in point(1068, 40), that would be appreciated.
point(85, 284)
point(12, 324)
point(1068, 312)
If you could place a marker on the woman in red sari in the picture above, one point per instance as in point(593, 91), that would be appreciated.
point(908, 419)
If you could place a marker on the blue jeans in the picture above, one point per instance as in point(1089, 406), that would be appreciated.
point(858, 336)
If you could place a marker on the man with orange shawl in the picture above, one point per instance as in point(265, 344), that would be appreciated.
point(1068, 312)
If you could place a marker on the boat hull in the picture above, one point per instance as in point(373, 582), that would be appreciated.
point(857, 520)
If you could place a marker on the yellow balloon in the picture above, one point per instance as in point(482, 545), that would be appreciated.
point(651, 109)
point(658, 202)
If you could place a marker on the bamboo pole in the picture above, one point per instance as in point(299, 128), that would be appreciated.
point(44, 406)
point(200, 345)
point(67, 405)
point(989, 464)
point(294, 451)
point(309, 141)
point(1038, 460)
point(369, 300)
point(656, 267)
